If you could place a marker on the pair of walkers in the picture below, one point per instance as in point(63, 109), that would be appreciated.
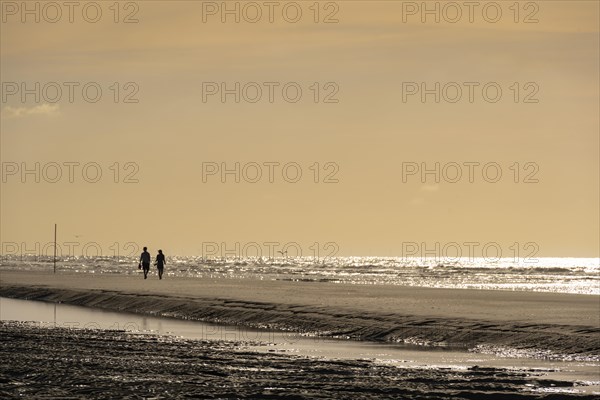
point(145, 263)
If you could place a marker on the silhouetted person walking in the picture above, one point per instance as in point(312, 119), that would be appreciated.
point(145, 260)
point(160, 263)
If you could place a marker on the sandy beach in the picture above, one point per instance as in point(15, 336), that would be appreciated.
point(58, 362)
point(565, 326)
point(72, 363)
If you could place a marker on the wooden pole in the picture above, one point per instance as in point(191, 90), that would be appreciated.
point(55, 248)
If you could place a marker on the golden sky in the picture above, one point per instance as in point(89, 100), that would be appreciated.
point(370, 57)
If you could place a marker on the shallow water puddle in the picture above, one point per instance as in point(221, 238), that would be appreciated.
point(62, 315)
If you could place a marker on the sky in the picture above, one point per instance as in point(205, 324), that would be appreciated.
point(350, 128)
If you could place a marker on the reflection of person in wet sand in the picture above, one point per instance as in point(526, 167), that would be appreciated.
point(145, 260)
point(160, 263)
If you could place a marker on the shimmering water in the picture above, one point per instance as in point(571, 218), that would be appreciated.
point(561, 275)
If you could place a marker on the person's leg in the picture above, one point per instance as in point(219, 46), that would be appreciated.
point(160, 272)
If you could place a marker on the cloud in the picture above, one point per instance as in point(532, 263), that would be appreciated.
point(430, 188)
point(20, 112)
point(417, 201)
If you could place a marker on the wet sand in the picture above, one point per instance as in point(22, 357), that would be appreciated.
point(63, 363)
point(542, 324)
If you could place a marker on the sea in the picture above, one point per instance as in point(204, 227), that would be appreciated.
point(556, 275)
